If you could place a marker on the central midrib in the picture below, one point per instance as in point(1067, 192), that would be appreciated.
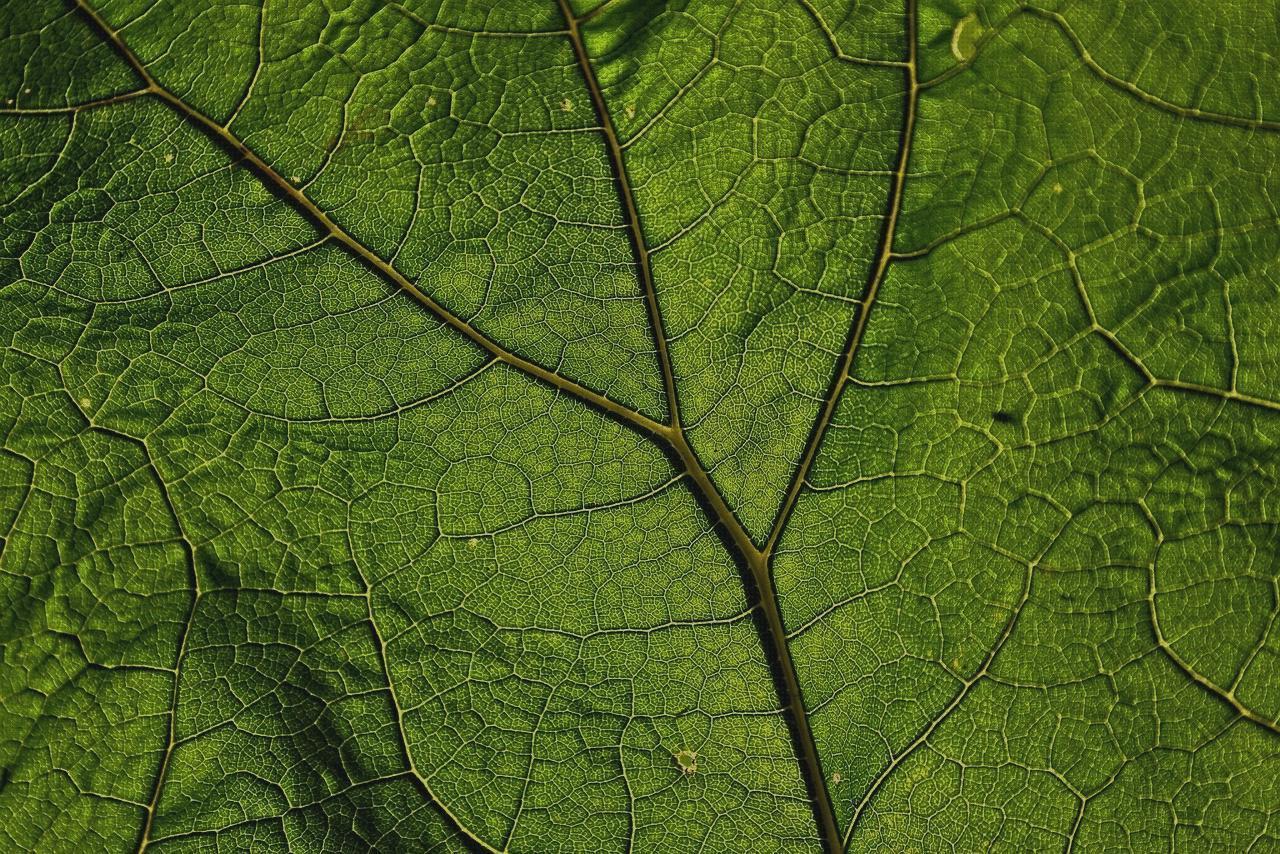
point(757, 560)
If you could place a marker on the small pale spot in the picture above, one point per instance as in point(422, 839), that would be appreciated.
point(837, 778)
point(687, 761)
point(566, 105)
point(85, 403)
point(168, 158)
point(631, 111)
point(472, 543)
point(431, 101)
point(1057, 188)
point(26, 91)
point(294, 179)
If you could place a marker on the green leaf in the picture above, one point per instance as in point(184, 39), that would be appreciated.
point(724, 426)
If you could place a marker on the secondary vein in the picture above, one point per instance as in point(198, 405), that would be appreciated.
point(269, 175)
point(630, 212)
point(878, 270)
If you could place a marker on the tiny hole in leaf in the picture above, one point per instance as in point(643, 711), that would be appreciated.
point(687, 761)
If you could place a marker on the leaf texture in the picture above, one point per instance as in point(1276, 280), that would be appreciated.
point(734, 425)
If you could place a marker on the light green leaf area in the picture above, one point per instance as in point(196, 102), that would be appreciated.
point(734, 425)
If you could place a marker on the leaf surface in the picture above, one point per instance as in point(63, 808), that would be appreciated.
point(715, 426)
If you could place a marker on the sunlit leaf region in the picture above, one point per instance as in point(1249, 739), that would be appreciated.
point(639, 425)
